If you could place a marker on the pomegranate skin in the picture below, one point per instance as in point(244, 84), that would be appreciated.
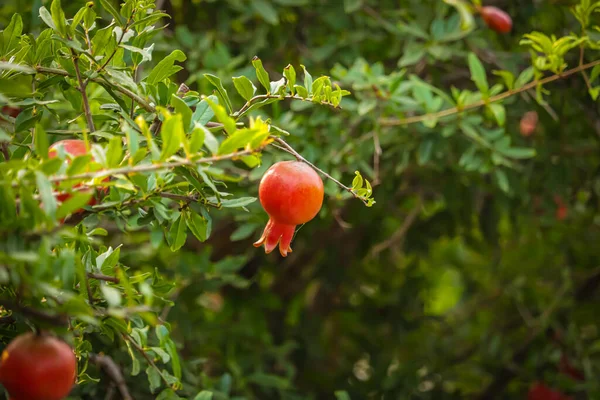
point(528, 123)
point(291, 192)
point(38, 367)
point(496, 19)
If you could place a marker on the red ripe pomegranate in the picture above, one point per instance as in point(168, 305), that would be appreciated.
point(528, 123)
point(496, 19)
point(38, 367)
point(291, 193)
point(540, 391)
point(74, 148)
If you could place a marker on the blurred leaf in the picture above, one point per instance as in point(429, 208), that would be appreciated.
point(219, 85)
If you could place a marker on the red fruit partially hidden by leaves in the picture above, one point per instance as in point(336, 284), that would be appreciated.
point(561, 209)
point(496, 19)
point(74, 148)
point(38, 367)
point(528, 123)
point(291, 193)
point(12, 111)
point(539, 391)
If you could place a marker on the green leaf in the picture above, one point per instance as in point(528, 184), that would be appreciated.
point(244, 86)
point(518, 153)
point(58, 17)
point(269, 380)
point(301, 90)
point(478, 73)
point(177, 234)
point(196, 141)
point(342, 395)
point(153, 378)
point(211, 142)
point(425, 149)
point(40, 141)
point(524, 77)
point(111, 295)
point(502, 180)
point(107, 5)
point(223, 117)
point(499, 113)
point(203, 112)
point(45, 188)
point(182, 108)
point(172, 135)
point(165, 68)
point(12, 34)
point(261, 73)
point(197, 226)
point(47, 18)
point(265, 10)
point(319, 84)
point(220, 89)
point(308, 80)
point(290, 74)
point(75, 202)
point(204, 395)
point(239, 202)
point(114, 152)
point(352, 5)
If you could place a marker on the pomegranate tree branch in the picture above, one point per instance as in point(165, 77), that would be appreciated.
point(52, 319)
point(102, 277)
point(112, 370)
point(239, 114)
point(145, 355)
point(152, 167)
point(81, 88)
point(289, 149)
point(493, 99)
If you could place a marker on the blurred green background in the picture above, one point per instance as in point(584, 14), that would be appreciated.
point(458, 283)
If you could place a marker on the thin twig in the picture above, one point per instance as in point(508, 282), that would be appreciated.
point(289, 149)
point(152, 167)
point(493, 99)
point(401, 231)
point(5, 152)
point(255, 99)
point(82, 87)
point(102, 277)
point(145, 355)
point(123, 90)
point(112, 370)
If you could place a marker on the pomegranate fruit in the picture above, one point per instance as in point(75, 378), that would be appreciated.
point(291, 192)
point(528, 123)
point(540, 391)
point(74, 148)
point(38, 367)
point(496, 19)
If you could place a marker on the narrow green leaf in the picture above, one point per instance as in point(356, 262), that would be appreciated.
point(107, 5)
point(204, 395)
point(223, 117)
point(172, 135)
point(75, 202)
point(499, 113)
point(203, 112)
point(197, 225)
point(265, 10)
point(244, 86)
point(502, 180)
point(12, 34)
point(114, 152)
point(220, 89)
point(308, 80)
point(177, 234)
point(524, 78)
point(239, 202)
point(45, 189)
point(47, 18)
point(182, 108)
point(290, 74)
point(58, 17)
point(261, 73)
point(164, 68)
point(41, 141)
point(478, 73)
point(196, 140)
